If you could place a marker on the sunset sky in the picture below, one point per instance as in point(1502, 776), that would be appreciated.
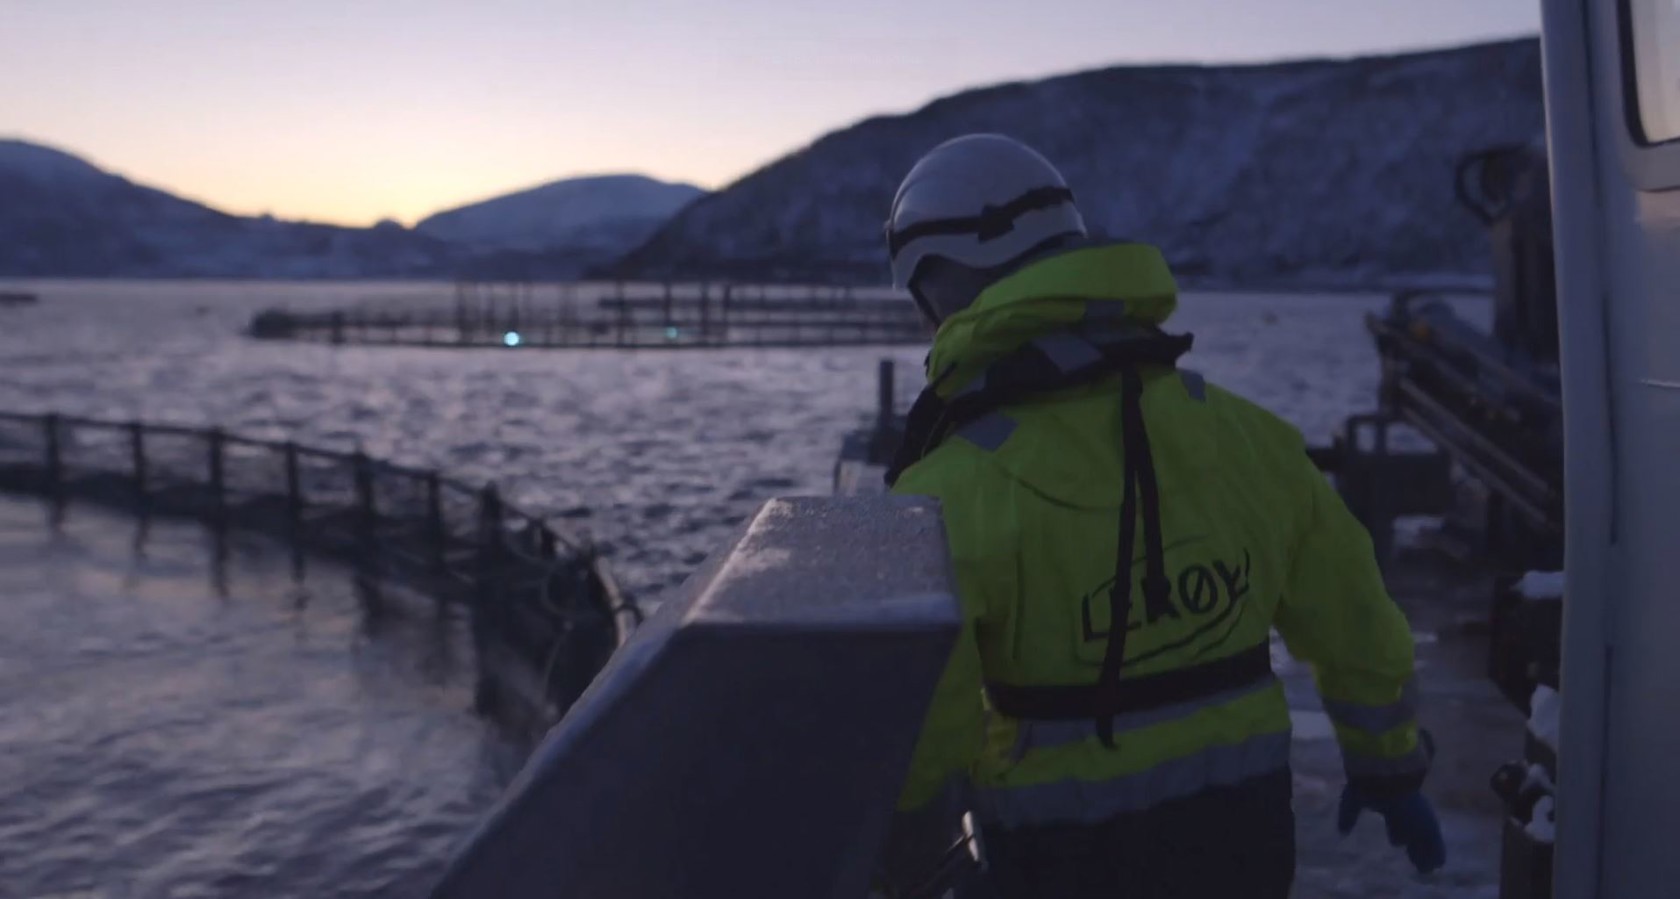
point(355, 110)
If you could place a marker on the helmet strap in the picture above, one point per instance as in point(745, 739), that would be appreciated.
point(929, 312)
point(942, 286)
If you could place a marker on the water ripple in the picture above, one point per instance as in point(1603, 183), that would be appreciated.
point(157, 740)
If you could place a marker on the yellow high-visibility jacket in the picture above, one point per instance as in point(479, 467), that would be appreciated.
point(1254, 535)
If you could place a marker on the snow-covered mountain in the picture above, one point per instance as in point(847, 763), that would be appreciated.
point(603, 213)
point(1326, 172)
point(61, 216)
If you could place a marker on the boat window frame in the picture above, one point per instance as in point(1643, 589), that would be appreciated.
point(1649, 165)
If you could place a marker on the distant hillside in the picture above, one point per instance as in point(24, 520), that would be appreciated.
point(62, 216)
point(1315, 172)
point(602, 216)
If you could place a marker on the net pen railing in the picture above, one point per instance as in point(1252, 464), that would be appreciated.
point(633, 317)
point(543, 595)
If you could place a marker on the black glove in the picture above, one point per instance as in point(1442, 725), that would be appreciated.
point(1411, 823)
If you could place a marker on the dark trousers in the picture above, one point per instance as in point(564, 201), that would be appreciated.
point(1229, 841)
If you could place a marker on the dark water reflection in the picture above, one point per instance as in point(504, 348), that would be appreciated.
point(181, 717)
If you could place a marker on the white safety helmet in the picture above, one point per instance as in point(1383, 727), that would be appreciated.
point(982, 201)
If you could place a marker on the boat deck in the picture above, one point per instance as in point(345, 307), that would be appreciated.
point(1475, 728)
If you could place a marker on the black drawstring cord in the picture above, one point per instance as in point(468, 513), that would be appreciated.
point(1138, 470)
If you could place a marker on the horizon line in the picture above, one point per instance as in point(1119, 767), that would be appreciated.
point(903, 112)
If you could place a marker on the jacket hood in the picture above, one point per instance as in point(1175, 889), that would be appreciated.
point(1117, 282)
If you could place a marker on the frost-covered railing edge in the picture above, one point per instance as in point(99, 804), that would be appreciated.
point(752, 738)
point(545, 611)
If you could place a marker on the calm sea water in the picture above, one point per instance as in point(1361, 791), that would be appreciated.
point(170, 728)
point(654, 453)
point(163, 737)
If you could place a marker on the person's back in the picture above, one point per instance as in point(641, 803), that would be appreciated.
point(1150, 758)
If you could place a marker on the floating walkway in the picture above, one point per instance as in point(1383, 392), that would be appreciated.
point(545, 612)
point(651, 317)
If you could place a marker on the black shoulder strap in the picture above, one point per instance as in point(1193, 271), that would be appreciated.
point(1056, 361)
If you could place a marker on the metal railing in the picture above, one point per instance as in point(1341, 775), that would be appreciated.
point(539, 601)
point(652, 317)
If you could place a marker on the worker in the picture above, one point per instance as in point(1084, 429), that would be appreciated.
point(1125, 535)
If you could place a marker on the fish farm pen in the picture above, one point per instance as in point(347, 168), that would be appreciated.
point(669, 316)
point(544, 611)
